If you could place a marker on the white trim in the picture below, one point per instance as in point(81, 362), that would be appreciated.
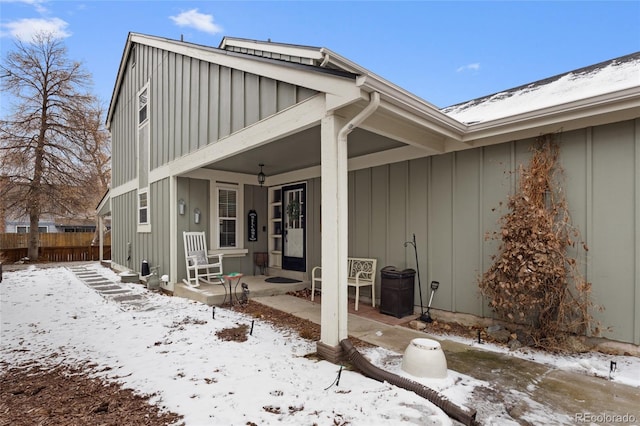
point(277, 70)
point(143, 226)
point(602, 109)
point(236, 252)
point(173, 237)
point(239, 219)
point(125, 188)
point(294, 119)
point(144, 89)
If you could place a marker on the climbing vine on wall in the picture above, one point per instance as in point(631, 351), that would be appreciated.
point(534, 281)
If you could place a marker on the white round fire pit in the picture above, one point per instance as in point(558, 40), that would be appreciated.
point(424, 358)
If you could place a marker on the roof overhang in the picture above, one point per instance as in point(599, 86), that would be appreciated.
point(104, 206)
point(401, 115)
point(338, 85)
point(597, 110)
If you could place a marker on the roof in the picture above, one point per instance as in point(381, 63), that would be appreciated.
point(601, 93)
point(602, 78)
point(190, 49)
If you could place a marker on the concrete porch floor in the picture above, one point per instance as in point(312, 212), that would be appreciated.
point(214, 294)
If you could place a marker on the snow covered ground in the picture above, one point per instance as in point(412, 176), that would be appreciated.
point(168, 346)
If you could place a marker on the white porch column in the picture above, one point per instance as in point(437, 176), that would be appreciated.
point(173, 236)
point(101, 238)
point(334, 238)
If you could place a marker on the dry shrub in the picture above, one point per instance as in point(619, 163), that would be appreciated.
point(533, 281)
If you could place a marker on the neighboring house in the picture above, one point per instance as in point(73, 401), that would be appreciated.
point(192, 124)
point(49, 225)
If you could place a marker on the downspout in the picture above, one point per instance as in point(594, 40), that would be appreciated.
point(342, 198)
point(374, 103)
point(325, 60)
point(454, 411)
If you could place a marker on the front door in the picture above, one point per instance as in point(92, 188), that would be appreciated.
point(293, 231)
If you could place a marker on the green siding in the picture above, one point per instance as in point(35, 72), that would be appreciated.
point(452, 201)
point(192, 103)
point(153, 246)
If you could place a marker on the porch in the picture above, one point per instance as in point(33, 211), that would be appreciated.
point(214, 295)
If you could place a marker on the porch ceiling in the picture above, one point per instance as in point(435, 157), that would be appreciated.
point(299, 151)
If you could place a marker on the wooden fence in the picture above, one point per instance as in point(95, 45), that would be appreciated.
point(61, 247)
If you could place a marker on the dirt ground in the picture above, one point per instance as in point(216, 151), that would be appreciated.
point(31, 395)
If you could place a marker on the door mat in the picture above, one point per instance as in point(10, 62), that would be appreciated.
point(282, 280)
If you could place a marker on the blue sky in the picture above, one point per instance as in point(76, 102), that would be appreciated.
point(444, 52)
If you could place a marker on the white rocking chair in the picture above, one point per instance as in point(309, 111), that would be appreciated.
point(201, 266)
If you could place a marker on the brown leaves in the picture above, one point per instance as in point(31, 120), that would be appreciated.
point(529, 281)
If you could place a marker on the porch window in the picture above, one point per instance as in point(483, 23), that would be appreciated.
point(143, 208)
point(227, 217)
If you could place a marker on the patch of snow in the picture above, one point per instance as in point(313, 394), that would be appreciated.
point(172, 351)
point(570, 87)
point(168, 346)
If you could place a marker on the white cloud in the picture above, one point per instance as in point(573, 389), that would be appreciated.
point(38, 4)
point(470, 67)
point(26, 29)
point(193, 18)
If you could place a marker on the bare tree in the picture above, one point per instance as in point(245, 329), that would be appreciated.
point(53, 151)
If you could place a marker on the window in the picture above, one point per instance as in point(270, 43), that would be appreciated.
point(227, 216)
point(134, 57)
point(143, 208)
point(25, 229)
point(142, 106)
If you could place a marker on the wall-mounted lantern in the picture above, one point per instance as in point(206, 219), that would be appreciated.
point(182, 207)
point(196, 216)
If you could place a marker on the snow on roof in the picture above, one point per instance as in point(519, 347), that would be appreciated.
point(605, 77)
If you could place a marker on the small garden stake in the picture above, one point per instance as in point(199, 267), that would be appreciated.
point(337, 380)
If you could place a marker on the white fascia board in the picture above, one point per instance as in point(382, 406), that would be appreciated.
point(407, 104)
point(121, 68)
point(321, 82)
point(281, 49)
point(423, 120)
point(296, 118)
point(342, 63)
point(104, 207)
point(601, 109)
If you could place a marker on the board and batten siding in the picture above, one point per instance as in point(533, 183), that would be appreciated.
point(150, 246)
point(451, 201)
point(191, 103)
